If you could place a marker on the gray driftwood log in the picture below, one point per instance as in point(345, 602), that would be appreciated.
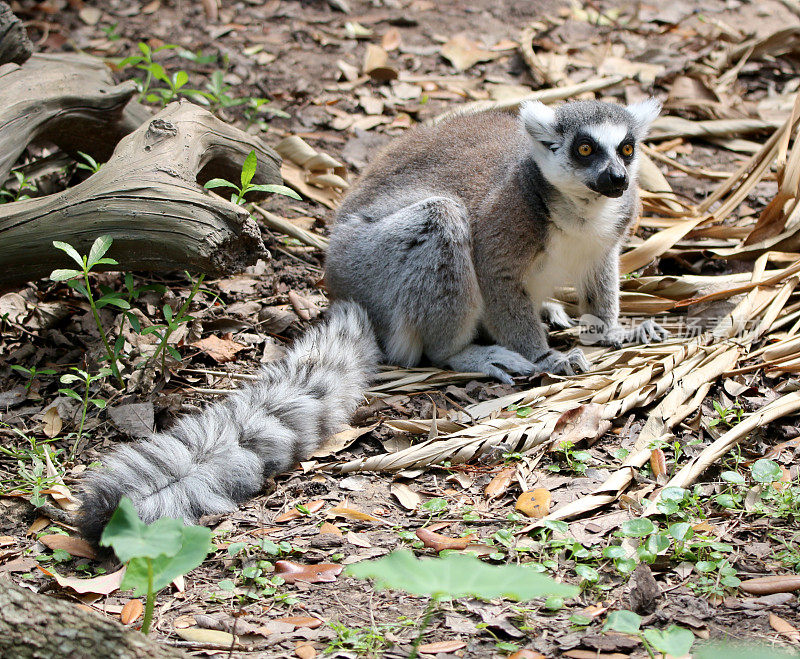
point(149, 198)
point(14, 43)
point(34, 625)
point(65, 99)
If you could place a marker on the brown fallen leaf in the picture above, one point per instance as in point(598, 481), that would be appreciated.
point(220, 350)
point(499, 484)
point(582, 422)
point(526, 654)
point(464, 53)
point(352, 513)
point(329, 528)
point(405, 495)
point(211, 636)
point(294, 513)
point(73, 546)
point(302, 621)
point(441, 646)
point(305, 650)
point(131, 611)
point(658, 463)
point(779, 583)
point(104, 585)
point(439, 542)
point(535, 503)
point(52, 423)
point(784, 628)
point(391, 40)
point(292, 572)
point(303, 307)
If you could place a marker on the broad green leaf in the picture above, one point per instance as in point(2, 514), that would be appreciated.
point(717, 650)
point(71, 394)
point(68, 378)
point(732, 477)
point(107, 261)
point(637, 528)
point(219, 183)
point(458, 575)
point(681, 531)
point(113, 300)
point(131, 538)
point(705, 566)
point(623, 621)
point(587, 573)
point(766, 471)
point(276, 189)
point(63, 275)
point(180, 79)
point(168, 313)
point(674, 640)
point(157, 71)
point(249, 168)
point(70, 250)
point(194, 544)
point(144, 48)
point(614, 551)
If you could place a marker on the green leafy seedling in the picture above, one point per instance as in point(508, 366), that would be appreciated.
point(79, 280)
point(456, 575)
point(23, 184)
point(248, 172)
point(31, 373)
point(674, 640)
point(155, 554)
point(90, 164)
point(86, 378)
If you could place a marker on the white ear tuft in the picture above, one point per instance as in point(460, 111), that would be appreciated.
point(538, 119)
point(645, 113)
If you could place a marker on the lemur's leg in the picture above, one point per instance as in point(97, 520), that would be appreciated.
point(599, 304)
point(413, 273)
point(516, 324)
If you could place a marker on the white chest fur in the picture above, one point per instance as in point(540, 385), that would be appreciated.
point(579, 241)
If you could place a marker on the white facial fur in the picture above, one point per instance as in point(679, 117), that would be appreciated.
point(645, 113)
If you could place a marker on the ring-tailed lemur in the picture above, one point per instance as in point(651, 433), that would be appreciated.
point(472, 223)
point(466, 225)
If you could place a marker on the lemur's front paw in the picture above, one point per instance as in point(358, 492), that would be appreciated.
point(596, 332)
point(560, 363)
point(500, 359)
point(555, 317)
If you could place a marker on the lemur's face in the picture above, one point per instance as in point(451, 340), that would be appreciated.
point(589, 146)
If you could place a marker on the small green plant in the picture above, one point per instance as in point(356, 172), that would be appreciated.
point(730, 416)
point(364, 640)
point(111, 32)
point(154, 554)
point(79, 280)
point(31, 373)
point(255, 110)
point(86, 379)
point(456, 575)
point(90, 164)
point(577, 461)
point(248, 172)
point(31, 477)
point(172, 322)
point(674, 640)
point(23, 184)
point(144, 61)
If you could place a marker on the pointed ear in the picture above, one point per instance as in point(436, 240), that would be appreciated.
point(539, 121)
point(644, 113)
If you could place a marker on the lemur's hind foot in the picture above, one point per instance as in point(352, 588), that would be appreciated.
point(494, 361)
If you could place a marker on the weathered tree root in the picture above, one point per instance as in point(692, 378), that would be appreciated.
point(39, 626)
point(69, 100)
point(148, 199)
point(14, 43)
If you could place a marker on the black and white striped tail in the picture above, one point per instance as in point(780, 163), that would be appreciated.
point(209, 462)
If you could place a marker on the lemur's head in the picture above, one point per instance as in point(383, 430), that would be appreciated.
point(588, 144)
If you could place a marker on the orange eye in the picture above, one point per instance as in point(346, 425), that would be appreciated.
point(627, 150)
point(585, 149)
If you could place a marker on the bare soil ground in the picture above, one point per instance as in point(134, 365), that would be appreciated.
point(289, 52)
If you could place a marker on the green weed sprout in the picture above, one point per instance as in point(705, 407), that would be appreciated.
point(155, 554)
point(674, 640)
point(86, 378)
point(31, 373)
point(248, 172)
point(79, 281)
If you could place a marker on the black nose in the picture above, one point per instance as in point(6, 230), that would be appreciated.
point(612, 182)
